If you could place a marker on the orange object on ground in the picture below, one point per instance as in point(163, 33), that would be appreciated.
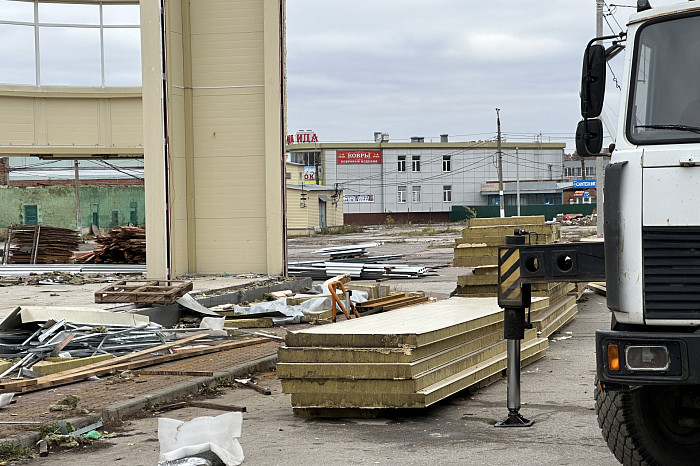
point(333, 287)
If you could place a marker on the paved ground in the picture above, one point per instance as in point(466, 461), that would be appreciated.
point(557, 393)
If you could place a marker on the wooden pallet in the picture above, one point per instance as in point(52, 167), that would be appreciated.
point(143, 291)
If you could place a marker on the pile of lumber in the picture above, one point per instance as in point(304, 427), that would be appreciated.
point(124, 245)
point(407, 358)
point(40, 244)
point(478, 248)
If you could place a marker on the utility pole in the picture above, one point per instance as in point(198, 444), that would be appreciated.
point(78, 217)
point(517, 180)
point(501, 200)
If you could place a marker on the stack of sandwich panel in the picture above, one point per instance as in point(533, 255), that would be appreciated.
point(480, 241)
point(408, 358)
point(478, 248)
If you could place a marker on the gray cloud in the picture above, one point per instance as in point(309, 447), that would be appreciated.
point(406, 67)
point(413, 68)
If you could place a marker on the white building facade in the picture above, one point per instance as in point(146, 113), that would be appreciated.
point(421, 181)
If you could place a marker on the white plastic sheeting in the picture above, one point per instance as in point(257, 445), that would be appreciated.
point(219, 434)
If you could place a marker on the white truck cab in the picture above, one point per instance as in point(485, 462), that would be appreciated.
point(648, 363)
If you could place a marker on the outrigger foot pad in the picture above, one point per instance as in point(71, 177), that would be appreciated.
point(514, 419)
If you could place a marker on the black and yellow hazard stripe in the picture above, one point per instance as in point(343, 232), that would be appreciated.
point(509, 275)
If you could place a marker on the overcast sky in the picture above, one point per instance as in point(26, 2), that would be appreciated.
point(404, 67)
point(416, 68)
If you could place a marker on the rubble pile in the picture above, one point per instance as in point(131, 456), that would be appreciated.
point(124, 245)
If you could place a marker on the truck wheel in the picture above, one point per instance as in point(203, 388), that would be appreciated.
point(648, 425)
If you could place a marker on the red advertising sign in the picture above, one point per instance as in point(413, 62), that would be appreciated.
point(301, 138)
point(358, 156)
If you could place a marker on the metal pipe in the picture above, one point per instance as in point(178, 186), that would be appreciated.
point(513, 374)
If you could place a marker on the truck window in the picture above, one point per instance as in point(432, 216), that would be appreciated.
point(665, 96)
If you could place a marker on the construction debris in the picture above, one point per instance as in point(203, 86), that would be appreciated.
point(124, 245)
point(135, 360)
point(359, 270)
point(48, 346)
point(39, 244)
point(66, 403)
point(35, 274)
point(347, 252)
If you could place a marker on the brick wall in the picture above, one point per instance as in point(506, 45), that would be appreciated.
point(4, 171)
point(126, 182)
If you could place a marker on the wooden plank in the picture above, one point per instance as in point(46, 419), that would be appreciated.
point(220, 407)
point(49, 367)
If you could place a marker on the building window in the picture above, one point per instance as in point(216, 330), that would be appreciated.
point(447, 163)
point(590, 171)
point(31, 215)
point(576, 171)
point(402, 163)
point(447, 194)
point(415, 163)
point(96, 215)
point(416, 194)
point(133, 219)
point(402, 194)
point(99, 45)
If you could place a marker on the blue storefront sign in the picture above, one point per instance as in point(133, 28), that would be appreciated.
point(579, 184)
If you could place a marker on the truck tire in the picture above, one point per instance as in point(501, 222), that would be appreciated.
point(641, 426)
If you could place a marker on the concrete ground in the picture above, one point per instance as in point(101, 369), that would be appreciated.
point(557, 392)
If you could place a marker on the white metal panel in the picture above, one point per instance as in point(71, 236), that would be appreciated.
point(630, 254)
point(669, 197)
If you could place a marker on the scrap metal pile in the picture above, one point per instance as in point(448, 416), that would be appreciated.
point(33, 334)
point(38, 341)
point(343, 261)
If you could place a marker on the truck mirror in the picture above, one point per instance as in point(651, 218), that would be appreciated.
point(589, 137)
point(593, 81)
